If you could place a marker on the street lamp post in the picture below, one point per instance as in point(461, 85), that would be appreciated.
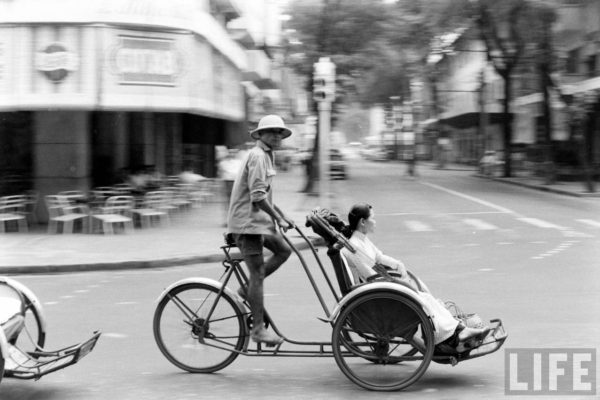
point(324, 95)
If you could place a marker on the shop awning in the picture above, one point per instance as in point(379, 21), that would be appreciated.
point(471, 120)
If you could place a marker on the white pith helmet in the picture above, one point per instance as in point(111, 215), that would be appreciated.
point(270, 122)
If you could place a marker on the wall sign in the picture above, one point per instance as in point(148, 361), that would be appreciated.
point(56, 62)
point(146, 61)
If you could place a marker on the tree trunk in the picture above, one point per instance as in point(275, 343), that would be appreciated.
point(507, 125)
point(550, 169)
point(588, 148)
point(312, 167)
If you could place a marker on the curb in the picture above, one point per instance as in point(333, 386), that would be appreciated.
point(130, 265)
point(542, 188)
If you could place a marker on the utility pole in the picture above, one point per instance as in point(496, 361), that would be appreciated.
point(324, 95)
point(483, 116)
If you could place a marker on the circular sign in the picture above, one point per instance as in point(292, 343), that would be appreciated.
point(55, 61)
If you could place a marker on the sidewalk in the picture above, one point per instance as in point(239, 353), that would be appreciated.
point(576, 189)
point(193, 237)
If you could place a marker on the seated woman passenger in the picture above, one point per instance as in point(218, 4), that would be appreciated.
point(361, 221)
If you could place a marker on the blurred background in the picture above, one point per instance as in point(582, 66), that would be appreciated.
point(113, 88)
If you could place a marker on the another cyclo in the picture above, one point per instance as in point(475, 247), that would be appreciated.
point(23, 335)
point(382, 337)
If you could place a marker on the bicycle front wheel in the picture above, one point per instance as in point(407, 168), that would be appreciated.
point(197, 330)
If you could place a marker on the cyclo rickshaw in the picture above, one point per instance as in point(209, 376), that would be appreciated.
point(382, 333)
point(23, 335)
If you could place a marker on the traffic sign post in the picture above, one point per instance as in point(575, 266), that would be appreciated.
point(324, 95)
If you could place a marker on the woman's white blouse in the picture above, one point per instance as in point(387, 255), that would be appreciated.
point(366, 256)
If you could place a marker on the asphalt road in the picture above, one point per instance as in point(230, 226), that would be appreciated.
point(527, 257)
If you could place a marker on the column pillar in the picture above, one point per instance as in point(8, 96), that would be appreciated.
point(61, 153)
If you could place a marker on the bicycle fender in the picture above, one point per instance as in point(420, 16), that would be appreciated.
point(206, 281)
point(25, 291)
point(378, 287)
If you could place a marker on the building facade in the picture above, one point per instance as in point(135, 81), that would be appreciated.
point(113, 86)
point(462, 93)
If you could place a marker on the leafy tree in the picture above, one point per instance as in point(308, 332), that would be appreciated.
point(502, 26)
point(377, 46)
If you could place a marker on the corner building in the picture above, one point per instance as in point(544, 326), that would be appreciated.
point(90, 90)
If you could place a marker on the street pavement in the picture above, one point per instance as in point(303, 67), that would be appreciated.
point(193, 236)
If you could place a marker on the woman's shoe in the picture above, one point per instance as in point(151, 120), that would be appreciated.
point(476, 334)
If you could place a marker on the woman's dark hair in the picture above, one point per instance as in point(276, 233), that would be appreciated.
point(357, 212)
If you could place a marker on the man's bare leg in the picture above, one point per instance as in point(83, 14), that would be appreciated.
point(256, 268)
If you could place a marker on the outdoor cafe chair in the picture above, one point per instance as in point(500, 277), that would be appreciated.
point(116, 211)
point(12, 209)
point(177, 198)
point(77, 199)
point(194, 194)
point(60, 211)
point(31, 205)
point(152, 208)
point(123, 189)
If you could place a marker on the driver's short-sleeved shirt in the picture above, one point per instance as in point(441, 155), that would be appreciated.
point(252, 184)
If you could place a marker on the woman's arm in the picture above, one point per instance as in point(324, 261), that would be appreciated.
point(390, 262)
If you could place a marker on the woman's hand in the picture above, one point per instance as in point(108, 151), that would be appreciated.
point(401, 269)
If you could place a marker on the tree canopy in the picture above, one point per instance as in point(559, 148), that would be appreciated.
point(376, 46)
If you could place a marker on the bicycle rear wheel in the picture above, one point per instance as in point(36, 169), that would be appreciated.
point(192, 339)
point(374, 341)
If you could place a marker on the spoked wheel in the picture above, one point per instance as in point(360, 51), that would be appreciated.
point(198, 331)
point(372, 341)
point(32, 337)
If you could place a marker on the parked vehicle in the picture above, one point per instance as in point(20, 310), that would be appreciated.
point(490, 163)
point(337, 167)
point(23, 335)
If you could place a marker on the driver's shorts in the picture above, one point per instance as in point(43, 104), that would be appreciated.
point(252, 244)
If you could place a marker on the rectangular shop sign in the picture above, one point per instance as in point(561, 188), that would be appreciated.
point(146, 61)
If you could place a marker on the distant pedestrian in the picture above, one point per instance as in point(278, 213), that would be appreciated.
point(411, 162)
point(253, 217)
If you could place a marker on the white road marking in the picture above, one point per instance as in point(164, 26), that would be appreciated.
point(114, 335)
point(417, 226)
point(471, 198)
point(561, 247)
point(540, 223)
point(479, 224)
point(595, 224)
point(568, 233)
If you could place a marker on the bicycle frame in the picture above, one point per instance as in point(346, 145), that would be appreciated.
point(234, 269)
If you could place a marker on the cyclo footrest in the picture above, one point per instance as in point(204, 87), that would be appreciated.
point(34, 365)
